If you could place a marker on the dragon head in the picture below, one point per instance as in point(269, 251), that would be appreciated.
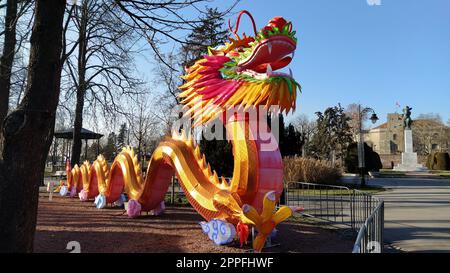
point(243, 73)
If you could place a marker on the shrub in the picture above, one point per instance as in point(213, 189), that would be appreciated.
point(438, 161)
point(309, 170)
point(372, 159)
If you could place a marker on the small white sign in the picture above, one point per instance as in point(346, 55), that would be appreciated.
point(50, 186)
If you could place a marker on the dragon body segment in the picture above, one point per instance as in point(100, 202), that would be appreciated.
point(242, 74)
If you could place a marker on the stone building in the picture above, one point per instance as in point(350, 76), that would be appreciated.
point(388, 139)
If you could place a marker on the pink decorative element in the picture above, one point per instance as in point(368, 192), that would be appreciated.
point(159, 209)
point(208, 77)
point(83, 195)
point(73, 191)
point(134, 208)
point(217, 59)
point(210, 89)
point(296, 208)
point(209, 82)
point(226, 89)
point(208, 70)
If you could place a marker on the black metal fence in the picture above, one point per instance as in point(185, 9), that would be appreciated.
point(370, 235)
point(361, 212)
point(353, 210)
point(326, 202)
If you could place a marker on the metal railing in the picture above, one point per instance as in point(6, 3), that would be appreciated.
point(327, 202)
point(361, 212)
point(362, 206)
point(370, 235)
point(357, 211)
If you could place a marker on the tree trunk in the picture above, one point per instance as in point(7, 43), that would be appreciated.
point(28, 131)
point(7, 59)
point(78, 124)
point(81, 88)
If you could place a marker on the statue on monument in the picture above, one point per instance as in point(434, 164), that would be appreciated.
point(409, 157)
point(407, 121)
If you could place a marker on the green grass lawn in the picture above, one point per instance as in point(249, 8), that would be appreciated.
point(390, 173)
point(180, 200)
point(367, 189)
point(442, 173)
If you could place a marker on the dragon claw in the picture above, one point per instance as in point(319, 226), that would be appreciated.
point(265, 222)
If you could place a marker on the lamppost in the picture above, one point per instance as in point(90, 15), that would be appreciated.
point(361, 159)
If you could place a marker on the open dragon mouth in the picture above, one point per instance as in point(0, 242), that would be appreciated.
point(243, 73)
point(268, 56)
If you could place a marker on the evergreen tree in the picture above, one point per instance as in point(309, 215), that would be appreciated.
point(292, 142)
point(122, 137)
point(110, 151)
point(289, 139)
point(333, 134)
point(371, 158)
point(210, 33)
point(219, 153)
point(94, 150)
point(281, 134)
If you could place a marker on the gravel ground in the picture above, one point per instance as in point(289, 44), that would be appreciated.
point(177, 230)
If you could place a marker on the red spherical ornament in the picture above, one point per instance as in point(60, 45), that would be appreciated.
point(278, 22)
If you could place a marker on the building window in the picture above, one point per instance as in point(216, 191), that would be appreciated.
point(434, 147)
point(394, 137)
point(394, 148)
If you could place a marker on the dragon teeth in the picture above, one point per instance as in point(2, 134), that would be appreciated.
point(269, 69)
point(290, 72)
point(269, 46)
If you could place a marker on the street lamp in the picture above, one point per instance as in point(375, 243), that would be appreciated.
point(361, 159)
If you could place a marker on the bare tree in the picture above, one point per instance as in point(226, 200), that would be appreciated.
point(159, 21)
point(142, 123)
point(307, 129)
point(28, 131)
point(430, 134)
point(168, 80)
point(20, 64)
point(14, 9)
point(431, 116)
point(7, 57)
point(101, 70)
point(352, 111)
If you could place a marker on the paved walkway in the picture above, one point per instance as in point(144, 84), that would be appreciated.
point(417, 213)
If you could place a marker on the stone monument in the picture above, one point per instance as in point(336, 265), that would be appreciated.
point(409, 158)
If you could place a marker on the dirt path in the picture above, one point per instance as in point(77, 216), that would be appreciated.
point(110, 230)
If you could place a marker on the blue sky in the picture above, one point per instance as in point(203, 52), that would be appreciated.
point(377, 55)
